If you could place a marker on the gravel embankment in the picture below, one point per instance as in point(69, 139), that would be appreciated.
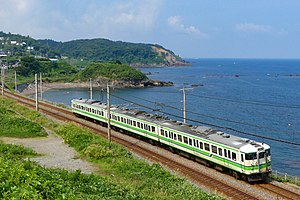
point(54, 153)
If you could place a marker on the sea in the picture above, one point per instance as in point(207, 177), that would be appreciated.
point(258, 99)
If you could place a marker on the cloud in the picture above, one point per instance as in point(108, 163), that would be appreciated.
point(256, 28)
point(175, 22)
point(71, 19)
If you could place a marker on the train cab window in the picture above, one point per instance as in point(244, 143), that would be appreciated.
point(175, 136)
point(179, 138)
point(225, 153)
point(220, 151)
point(185, 139)
point(206, 147)
point(190, 142)
point(214, 149)
point(233, 156)
point(268, 152)
point(250, 156)
point(229, 154)
point(201, 145)
point(261, 154)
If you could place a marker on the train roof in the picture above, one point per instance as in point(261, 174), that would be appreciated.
point(244, 144)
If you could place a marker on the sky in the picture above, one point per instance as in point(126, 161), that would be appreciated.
point(190, 28)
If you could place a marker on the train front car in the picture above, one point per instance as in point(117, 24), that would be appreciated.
point(256, 161)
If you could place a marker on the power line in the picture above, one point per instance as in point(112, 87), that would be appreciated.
point(259, 103)
point(213, 125)
point(213, 117)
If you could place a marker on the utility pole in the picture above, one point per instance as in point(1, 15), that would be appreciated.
point(2, 79)
point(184, 102)
point(36, 93)
point(91, 89)
point(16, 87)
point(41, 85)
point(108, 115)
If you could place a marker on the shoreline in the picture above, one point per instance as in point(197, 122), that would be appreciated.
point(30, 89)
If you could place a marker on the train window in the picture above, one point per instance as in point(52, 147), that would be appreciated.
point(153, 129)
point(175, 136)
point(102, 113)
point(171, 135)
point(166, 132)
point(268, 152)
point(225, 153)
point(261, 154)
point(190, 142)
point(194, 142)
point(149, 128)
point(242, 157)
point(201, 145)
point(229, 154)
point(206, 147)
point(118, 118)
point(250, 156)
point(185, 139)
point(220, 151)
point(197, 143)
point(214, 149)
point(179, 138)
point(233, 156)
point(162, 132)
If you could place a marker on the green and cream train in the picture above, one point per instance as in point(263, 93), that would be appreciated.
point(243, 158)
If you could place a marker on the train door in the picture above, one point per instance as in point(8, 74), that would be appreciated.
point(242, 162)
point(226, 155)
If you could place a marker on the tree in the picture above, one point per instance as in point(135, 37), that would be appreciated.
point(29, 66)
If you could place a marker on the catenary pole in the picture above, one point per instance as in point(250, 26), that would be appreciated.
point(41, 85)
point(2, 79)
point(91, 89)
point(108, 115)
point(184, 102)
point(16, 86)
point(36, 92)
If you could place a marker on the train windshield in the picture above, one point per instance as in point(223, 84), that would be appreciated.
point(250, 156)
point(268, 152)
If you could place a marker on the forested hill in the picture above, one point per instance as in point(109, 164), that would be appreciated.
point(136, 54)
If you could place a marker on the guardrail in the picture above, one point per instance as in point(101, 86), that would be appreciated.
point(284, 177)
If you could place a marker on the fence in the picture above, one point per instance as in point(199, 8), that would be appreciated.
point(285, 177)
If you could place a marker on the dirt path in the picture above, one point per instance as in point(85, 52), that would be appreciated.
point(55, 153)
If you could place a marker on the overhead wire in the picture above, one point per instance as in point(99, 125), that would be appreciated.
point(250, 102)
point(213, 125)
point(205, 115)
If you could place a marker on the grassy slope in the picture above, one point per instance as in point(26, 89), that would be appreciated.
point(112, 71)
point(122, 174)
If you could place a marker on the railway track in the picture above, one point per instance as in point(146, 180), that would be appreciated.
point(279, 192)
point(195, 176)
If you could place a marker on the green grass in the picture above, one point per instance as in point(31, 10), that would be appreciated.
point(14, 125)
point(120, 174)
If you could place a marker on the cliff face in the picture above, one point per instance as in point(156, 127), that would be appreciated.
point(170, 58)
